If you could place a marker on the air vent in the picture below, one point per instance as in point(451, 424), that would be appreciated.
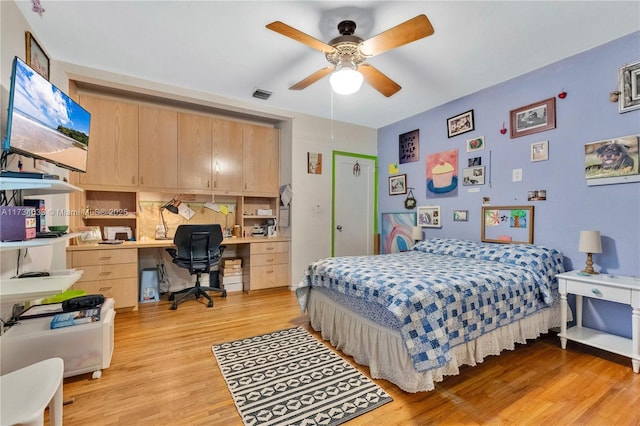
point(262, 94)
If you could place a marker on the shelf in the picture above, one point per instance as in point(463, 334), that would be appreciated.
point(601, 340)
point(35, 242)
point(23, 289)
point(254, 216)
point(110, 217)
point(37, 186)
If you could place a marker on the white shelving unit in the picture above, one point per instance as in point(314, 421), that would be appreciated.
point(19, 290)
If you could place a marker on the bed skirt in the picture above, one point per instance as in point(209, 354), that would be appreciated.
point(383, 350)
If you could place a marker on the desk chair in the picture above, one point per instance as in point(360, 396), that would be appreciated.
point(197, 249)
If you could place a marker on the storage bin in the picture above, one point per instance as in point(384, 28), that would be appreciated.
point(149, 291)
point(84, 348)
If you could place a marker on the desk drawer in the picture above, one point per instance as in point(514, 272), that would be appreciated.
point(597, 291)
point(270, 247)
point(124, 292)
point(108, 272)
point(269, 259)
point(269, 276)
point(104, 257)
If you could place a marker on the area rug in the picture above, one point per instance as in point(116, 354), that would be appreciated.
point(288, 377)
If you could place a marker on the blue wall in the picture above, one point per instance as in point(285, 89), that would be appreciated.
point(585, 115)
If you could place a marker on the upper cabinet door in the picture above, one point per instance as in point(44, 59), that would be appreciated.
point(194, 151)
point(158, 141)
point(260, 159)
point(113, 143)
point(226, 163)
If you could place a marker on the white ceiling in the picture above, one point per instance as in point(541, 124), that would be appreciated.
point(223, 47)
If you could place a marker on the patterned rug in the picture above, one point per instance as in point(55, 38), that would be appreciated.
point(288, 377)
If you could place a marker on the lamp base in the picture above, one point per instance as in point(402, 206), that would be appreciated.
point(585, 272)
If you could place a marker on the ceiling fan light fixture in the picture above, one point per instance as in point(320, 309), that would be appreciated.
point(346, 80)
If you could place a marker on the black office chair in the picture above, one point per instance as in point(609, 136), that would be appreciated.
point(197, 249)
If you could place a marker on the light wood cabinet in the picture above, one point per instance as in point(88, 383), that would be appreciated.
point(110, 272)
point(158, 147)
point(268, 265)
point(194, 151)
point(113, 149)
point(226, 162)
point(260, 159)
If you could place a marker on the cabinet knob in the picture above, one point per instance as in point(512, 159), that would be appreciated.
point(104, 274)
point(596, 292)
point(104, 258)
point(269, 260)
point(269, 248)
point(141, 180)
point(104, 289)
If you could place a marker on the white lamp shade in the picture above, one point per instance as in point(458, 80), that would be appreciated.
point(346, 81)
point(590, 242)
point(416, 233)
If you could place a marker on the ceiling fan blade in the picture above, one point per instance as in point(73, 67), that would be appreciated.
point(411, 30)
point(288, 31)
point(302, 84)
point(378, 81)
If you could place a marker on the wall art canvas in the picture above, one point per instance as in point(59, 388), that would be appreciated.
point(611, 158)
point(442, 174)
point(409, 147)
point(396, 235)
point(508, 224)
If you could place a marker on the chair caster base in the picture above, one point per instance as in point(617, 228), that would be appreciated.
point(174, 306)
point(224, 293)
point(210, 304)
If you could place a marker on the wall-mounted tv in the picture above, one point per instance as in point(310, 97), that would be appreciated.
point(45, 123)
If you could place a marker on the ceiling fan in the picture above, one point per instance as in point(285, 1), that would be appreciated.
point(347, 53)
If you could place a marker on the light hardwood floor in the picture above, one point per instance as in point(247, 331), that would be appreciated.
point(163, 373)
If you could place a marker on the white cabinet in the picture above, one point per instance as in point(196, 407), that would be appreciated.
point(624, 290)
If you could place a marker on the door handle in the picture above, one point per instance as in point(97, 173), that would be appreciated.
point(339, 228)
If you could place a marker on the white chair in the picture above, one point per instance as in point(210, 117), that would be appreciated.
point(25, 393)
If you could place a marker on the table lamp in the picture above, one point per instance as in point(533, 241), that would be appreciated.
point(416, 233)
point(590, 242)
point(173, 208)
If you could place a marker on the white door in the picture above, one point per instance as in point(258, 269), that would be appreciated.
point(354, 204)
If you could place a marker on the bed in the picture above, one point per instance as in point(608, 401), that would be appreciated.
point(415, 317)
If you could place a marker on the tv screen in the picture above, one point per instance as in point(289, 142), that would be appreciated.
point(43, 122)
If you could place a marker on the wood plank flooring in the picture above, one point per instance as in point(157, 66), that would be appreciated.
point(163, 373)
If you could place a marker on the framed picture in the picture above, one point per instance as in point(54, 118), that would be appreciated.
point(629, 87)
point(461, 123)
point(429, 217)
point(533, 118)
point(612, 158)
point(36, 58)
point(540, 151)
point(507, 224)
point(397, 185)
point(460, 215)
point(475, 144)
point(473, 175)
point(474, 161)
point(396, 232)
point(314, 163)
point(409, 146)
point(442, 174)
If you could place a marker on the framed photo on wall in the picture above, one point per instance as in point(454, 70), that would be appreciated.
point(36, 58)
point(507, 224)
point(409, 147)
point(429, 217)
point(459, 124)
point(397, 185)
point(473, 175)
point(533, 118)
point(629, 87)
point(540, 151)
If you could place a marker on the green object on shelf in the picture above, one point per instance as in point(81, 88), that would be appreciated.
point(59, 298)
point(58, 228)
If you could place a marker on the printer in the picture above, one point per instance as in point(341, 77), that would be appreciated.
point(117, 233)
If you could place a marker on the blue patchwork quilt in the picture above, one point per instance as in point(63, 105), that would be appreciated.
point(444, 292)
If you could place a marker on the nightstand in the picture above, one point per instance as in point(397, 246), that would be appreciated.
point(605, 287)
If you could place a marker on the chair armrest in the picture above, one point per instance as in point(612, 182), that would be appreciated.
point(172, 252)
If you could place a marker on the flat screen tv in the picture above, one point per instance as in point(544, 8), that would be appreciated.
point(45, 123)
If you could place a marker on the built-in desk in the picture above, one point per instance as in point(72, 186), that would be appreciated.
point(113, 270)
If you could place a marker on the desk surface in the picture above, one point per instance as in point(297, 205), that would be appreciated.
point(169, 243)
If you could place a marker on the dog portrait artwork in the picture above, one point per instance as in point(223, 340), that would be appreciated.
point(610, 158)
